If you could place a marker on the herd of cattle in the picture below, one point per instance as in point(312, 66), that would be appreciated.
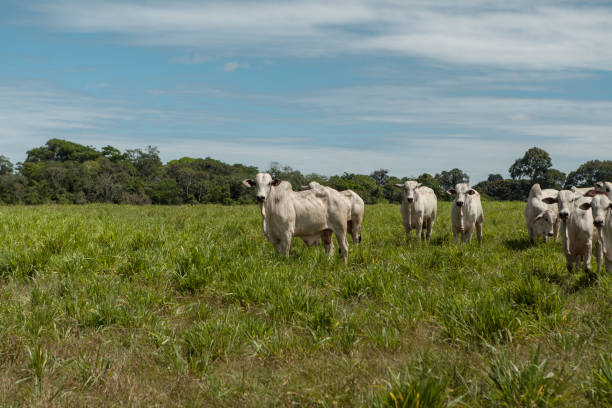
point(581, 214)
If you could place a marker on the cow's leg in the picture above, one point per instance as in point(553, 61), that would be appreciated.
point(587, 257)
point(430, 224)
point(556, 230)
point(599, 255)
point(531, 235)
point(343, 244)
point(285, 243)
point(357, 231)
point(349, 229)
point(479, 232)
point(326, 237)
point(419, 228)
point(467, 237)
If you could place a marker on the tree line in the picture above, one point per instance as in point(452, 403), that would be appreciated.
point(69, 173)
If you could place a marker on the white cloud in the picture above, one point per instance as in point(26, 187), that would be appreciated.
point(232, 66)
point(543, 35)
point(191, 59)
point(407, 130)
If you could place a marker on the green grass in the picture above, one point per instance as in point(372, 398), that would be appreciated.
point(105, 305)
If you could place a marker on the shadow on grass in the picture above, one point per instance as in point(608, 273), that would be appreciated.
point(517, 244)
point(439, 241)
point(585, 280)
point(572, 281)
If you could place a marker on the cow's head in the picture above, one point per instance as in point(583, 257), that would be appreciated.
point(408, 189)
point(565, 202)
point(264, 183)
point(461, 190)
point(545, 222)
point(603, 187)
point(600, 205)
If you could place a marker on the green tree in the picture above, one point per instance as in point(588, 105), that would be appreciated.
point(534, 163)
point(380, 176)
point(448, 179)
point(589, 173)
point(6, 167)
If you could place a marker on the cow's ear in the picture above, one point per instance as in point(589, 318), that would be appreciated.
point(398, 185)
point(585, 206)
point(248, 182)
point(471, 191)
point(540, 215)
point(592, 193)
point(276, 182)
point(549, 200)
point(451, 191)
point(419, 184)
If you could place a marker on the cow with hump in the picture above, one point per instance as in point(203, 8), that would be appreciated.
point(577, 233)
point(542, 219)
point(306, 214)
point(419, 207)
point(357, 209)
point(601, 209)
point(466, 212)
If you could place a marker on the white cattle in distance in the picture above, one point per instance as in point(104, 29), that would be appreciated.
point(577, 228)
point(542, 219)
point(466, 213)
point(306, 214)
point(601, 209)
point(418, 209)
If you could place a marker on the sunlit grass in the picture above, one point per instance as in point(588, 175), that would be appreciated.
point(109, 305)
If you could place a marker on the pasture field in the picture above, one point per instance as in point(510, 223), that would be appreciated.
point(106, 305)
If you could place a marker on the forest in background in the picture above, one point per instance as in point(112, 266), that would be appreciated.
point(64, 172)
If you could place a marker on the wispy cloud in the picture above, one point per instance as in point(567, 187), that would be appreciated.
point(523, 35)
point(191, 59)
point(408, 130)
point(232, 66)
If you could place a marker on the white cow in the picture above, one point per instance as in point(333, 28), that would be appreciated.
point(604, 187)
point(601, 208)
point(305, 214)
point(580, 190)
point(357, 210)
point(576, 230)
point(466, 212)
point(419, 207)
point(357, 213)
point(542, 219)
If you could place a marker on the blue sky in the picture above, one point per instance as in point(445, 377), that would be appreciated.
point(327, 87)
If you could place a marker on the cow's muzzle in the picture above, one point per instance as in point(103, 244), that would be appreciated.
point(410, 200)
point(459, 203)
point(563, 215)
point(260, 199)
point(598, 223)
